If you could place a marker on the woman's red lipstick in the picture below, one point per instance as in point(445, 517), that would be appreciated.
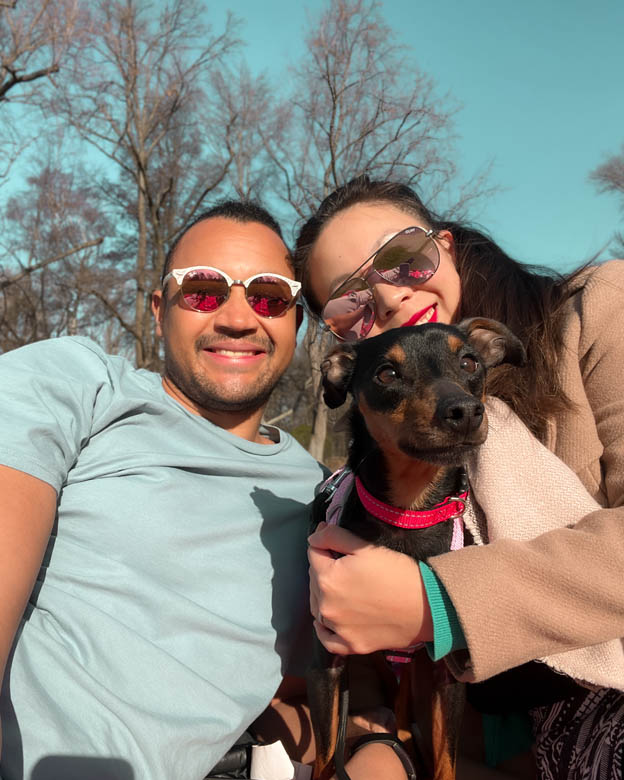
point(415, 317)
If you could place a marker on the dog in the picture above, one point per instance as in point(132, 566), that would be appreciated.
point(417, 413)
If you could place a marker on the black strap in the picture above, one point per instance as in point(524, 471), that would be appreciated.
point(395, 744)
point(335, 481)
point(236, 762)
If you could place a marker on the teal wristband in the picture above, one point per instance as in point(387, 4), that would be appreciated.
point(447, 631)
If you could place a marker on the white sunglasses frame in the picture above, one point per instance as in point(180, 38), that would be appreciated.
point(179, 273)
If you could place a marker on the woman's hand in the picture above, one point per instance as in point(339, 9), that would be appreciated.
point(369, 599)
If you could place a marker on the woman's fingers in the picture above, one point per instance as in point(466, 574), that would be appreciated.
point(332, 641)
point(367, 598)
point(333, 537)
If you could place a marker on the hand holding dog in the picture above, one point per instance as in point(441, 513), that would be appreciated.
point(371, 598)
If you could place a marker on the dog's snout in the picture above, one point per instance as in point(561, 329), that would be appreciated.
point(460, 415)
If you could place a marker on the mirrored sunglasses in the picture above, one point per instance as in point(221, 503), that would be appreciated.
point(408, 259)
point(204, 289)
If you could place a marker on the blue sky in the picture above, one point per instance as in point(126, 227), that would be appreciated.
point(541, 85)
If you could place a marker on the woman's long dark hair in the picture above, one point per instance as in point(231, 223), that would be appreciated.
point(528, 299)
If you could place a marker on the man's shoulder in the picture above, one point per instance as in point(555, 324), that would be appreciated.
point(78, 368)
point(69, 355)
point(54, 347)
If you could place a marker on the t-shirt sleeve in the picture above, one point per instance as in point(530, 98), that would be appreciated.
point(49, 392)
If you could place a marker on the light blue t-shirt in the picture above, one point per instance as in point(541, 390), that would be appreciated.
point(173, 593)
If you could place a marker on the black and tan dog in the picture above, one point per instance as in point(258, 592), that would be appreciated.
point(417, 413)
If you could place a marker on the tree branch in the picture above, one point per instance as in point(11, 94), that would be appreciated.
point(125, 325)
point(17, 79)
point(4, 283)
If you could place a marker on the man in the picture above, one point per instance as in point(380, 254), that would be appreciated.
point(162, 526)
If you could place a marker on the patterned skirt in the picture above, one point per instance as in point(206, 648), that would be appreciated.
point(581, 738)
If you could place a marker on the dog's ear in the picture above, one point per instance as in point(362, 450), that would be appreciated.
point(494, 341)
point(337, 370)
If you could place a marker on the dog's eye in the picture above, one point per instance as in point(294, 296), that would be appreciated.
point(469, 364)
point(386, 375)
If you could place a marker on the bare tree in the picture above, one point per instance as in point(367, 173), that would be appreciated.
point(35, 39)
point(358, 105)
point(42, 247)
point(609, 178)
point(137, 96)
point(53, 253)
point(248, 104)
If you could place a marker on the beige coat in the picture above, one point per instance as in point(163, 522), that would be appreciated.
point(534, 592)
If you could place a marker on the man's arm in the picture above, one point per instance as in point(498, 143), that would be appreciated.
point(287, 718)
point(26, 519)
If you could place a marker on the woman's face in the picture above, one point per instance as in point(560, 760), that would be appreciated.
point(352, 236)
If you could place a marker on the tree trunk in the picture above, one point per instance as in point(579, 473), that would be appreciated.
point(141, 263)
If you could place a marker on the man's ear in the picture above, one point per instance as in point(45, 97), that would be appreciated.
point(337, 370)
point(493, 341)
point(158, 310)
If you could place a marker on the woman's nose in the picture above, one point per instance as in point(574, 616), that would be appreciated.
point(389, 299)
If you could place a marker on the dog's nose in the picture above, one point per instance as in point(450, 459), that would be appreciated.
point(460, 415)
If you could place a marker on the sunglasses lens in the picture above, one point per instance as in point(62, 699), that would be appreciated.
point(409, 258)
point(350, 312)
point(269, 296)
point(204, 290)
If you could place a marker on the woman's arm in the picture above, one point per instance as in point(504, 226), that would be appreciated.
point(517, 600)
point(561, 590)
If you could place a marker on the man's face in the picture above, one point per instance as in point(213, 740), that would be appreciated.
point(228, 360)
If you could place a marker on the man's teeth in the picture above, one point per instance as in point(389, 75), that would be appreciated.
point(426, 317)
point(233, 353)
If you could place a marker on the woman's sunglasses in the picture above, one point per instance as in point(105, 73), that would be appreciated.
point(407, 259)
point(205, 289)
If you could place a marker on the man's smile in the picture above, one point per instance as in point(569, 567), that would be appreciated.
point(233, 352)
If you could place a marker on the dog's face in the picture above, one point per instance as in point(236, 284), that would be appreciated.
point(420, 390)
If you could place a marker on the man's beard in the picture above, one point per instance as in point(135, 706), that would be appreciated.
point(213, 396)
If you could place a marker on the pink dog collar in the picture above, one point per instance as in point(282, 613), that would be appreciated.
point(451, 507)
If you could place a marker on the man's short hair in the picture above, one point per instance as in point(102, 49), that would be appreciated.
point(237, 210)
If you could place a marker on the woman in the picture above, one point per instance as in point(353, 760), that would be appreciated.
point(514, 601)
